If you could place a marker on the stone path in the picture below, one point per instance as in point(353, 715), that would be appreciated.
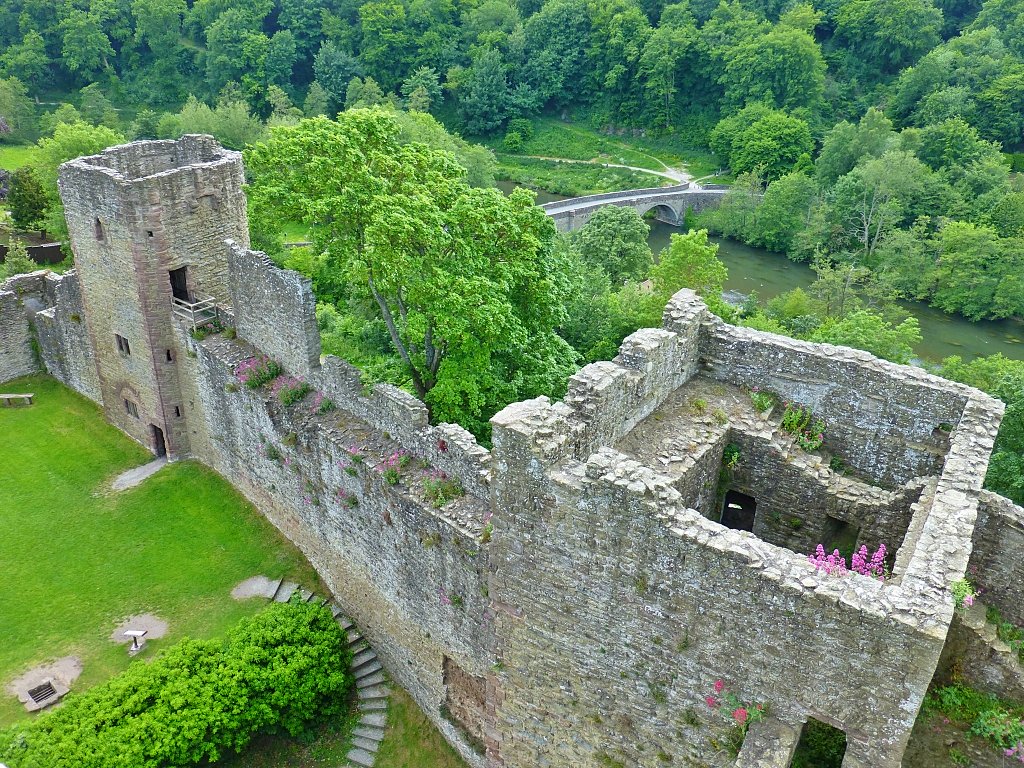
point(371, 684)
point(134, 476)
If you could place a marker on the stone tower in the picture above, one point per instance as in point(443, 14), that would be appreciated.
point(147, 223)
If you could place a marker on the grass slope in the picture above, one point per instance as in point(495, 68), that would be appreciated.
point(13, 156)
point(78, 559)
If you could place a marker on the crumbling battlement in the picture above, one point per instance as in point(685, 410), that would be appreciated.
point(575, 606)
point(42, 327)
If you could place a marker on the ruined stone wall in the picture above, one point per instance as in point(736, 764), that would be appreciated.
point(17, 355)
point(414, 578)
point(796, 495)
point(884, 420)
point(997, 562)
point(42, 327)
point(619, 670)
point(63, 336)
point(274, 309)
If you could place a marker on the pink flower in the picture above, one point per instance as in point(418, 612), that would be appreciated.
point(711, 701)
point(969, 600)
point(719, 686)
point(739, 715)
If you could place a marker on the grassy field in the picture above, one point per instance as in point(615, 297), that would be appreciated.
point(534, 166)
point(78, 559)
point(13, 156)
point(572, 179)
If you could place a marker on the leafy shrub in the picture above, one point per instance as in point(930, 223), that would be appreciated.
point(522, 126)
point(440, 488)
point(513, 142)
point(254, 372)
point(807, 431)
point(290, 390)
point(199, 700)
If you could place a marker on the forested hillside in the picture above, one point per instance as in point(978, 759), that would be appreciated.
point(644, 63)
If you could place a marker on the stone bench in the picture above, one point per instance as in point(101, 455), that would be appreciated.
point(25, 398)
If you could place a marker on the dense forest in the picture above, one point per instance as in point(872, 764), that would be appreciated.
point(875, 139)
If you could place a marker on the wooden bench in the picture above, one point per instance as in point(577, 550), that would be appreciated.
point(25, 398)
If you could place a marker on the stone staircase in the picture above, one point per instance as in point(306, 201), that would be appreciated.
point(371, 684)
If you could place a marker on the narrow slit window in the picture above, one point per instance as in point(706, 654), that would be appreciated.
point(170, 357)
point(98, 227)
point(122, 344)
point(131, 408)
point(177, 411)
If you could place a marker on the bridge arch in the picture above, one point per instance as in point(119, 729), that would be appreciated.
point(662, 212)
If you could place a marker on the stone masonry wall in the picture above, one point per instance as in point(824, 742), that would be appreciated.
point(619, 670)
point(42, 327)
point(63, 336)
point(673, 601)
point(997, 562)
point(884, 420)
point(17, 357)
point(274, 309)
point(415, 579)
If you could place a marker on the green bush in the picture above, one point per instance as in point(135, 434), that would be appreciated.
point(199, 700)
point(522, 126)
point(513, 142)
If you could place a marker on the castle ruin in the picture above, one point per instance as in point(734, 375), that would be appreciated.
point(575, 606)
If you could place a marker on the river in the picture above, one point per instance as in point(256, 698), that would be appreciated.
point(756, 269)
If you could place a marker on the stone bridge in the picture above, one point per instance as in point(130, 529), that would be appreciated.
point(669, 204)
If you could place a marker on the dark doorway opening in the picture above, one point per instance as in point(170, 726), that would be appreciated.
point(738, 511)
point(820, 746)
point(179, 283)
point(159, 445)
point(839, 534)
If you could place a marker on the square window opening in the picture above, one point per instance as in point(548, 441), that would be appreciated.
point(821, 746)
point(738, 511)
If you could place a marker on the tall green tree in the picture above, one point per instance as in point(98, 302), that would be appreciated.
point(26, 60)
point(86, 49)
point(615, 240)
point(893, 32)
point(27, 199)
point(783, 68)
point(16, 111)
point(465, 280)
point(485, 102)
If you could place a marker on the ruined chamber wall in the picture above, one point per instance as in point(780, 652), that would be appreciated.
point(42, 327)
point(887, 422)
point(17, 353)
point(997, 562)
point(619, 671)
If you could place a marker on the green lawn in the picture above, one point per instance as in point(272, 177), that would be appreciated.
point(573, 179)
point(555, 138)
point(13, 156)
point(78, 559)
